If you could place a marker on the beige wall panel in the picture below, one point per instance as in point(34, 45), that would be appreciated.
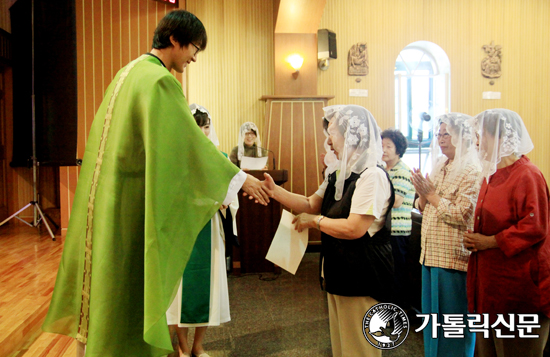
point(461, 28)
point(236, 68)
point(304, 44)
point(299, 16)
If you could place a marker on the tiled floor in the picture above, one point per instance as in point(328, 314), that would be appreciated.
point(287, 316)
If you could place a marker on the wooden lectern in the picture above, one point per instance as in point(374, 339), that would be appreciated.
point(256, 227)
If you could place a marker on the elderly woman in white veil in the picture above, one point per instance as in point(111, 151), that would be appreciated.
point(447, 201)
point(350, 209)
point(249, 144)
point(509, 270)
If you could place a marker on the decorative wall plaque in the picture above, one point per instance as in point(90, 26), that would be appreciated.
point(490, 65)
point(358, 60)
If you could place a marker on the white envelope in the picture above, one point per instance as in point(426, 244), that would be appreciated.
point(288, 246)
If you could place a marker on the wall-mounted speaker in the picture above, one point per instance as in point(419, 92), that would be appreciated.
point(326, 44)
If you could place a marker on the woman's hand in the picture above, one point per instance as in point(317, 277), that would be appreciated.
point(305, 220)
point(476, 241)
point(268, 185)
point(223, 207)
point(423, 185)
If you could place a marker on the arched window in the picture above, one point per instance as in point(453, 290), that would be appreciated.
point(422, 82)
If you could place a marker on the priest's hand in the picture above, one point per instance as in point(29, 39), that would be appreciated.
point(253, 188)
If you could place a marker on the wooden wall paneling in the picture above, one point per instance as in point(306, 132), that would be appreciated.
point(314, 138)
point(11, 175)
point(5, 84)
point(273, 131)
point(297, 147)
point(285, 140)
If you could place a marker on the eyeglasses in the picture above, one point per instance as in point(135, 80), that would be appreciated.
point(197, 47)
point(444, 136)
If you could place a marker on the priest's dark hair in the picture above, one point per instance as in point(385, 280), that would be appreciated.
point(201, 118)
point(184, 26)
point(398, 140)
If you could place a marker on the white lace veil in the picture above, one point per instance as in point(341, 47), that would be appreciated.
point(212, 136)
point(459, 127)
point(501, 133)
point(356, 136)
point(245, 128)
point(330, 160)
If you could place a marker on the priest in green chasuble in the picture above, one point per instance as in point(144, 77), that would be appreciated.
point(150, 181)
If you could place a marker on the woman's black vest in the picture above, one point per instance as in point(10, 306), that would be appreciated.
point(356, 267)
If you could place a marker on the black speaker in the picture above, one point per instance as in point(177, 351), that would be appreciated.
point(326, 44)
point(55, 82)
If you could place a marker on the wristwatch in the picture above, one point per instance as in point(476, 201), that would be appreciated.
point(319, 222)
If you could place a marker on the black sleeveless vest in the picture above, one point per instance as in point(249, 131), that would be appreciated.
point(356, 267)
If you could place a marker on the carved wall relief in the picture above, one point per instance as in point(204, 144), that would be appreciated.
point(358, 60)
point(490, 65)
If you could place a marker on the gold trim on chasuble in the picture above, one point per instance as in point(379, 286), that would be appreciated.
point(82, 334)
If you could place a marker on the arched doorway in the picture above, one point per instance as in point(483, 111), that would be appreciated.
point(422, 91)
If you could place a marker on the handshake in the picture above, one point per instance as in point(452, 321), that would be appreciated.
point(259, 191)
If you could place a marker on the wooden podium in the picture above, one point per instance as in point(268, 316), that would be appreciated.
point(256, 227)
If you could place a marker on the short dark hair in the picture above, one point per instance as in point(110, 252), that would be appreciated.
point(398, 140)
point(201, 118)
point(184, 26)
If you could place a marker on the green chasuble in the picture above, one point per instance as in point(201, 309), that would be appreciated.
point(149, 183)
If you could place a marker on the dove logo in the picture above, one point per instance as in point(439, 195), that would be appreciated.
point(385, 326)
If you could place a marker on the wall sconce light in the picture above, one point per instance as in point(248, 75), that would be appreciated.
point(296, 62)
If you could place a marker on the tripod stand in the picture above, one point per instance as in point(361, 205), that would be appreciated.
point(36, 207)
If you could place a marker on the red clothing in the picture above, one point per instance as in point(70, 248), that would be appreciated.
point(515, 278)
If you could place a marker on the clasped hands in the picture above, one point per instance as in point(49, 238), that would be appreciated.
point(476, 241)
point(423, 185)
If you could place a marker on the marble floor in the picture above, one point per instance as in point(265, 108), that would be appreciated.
point(283, 315)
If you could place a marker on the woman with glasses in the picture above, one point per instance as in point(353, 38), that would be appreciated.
point(509, 270)
point(447, 200)
point(249, 144)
